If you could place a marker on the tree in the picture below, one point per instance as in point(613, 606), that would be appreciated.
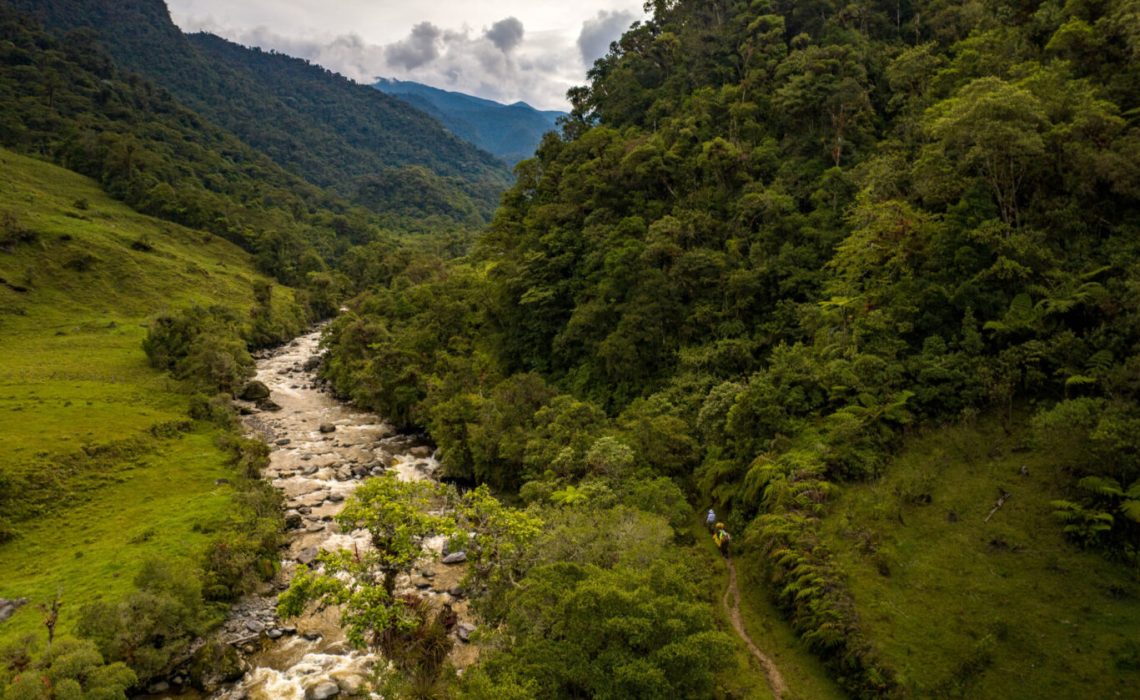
point(992, 129)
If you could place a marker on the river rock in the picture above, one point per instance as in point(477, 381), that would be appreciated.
point(254, 626)
point(159, 687)
point(283, 442)
point(254, 391)
point(456, 591)
point(274, 633)
point(420, 451)
point(213, 664)
point(268, 405)
point(455, 558)
point(350, 684)
point(293, 519)
point(307, 556)
point(327, 428)
point(335, 497)
point(464, 630)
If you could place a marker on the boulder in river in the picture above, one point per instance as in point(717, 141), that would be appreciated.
point(350, 684)
point(293, 519)
point(327, 428)
point(455, 558)
point(312, 363)
point(213, 664)
point(307, 556)
point(420, 451)
point(268, 405)
point(254, 391)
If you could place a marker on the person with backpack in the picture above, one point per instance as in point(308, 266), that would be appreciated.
point(721, 538)
point(710, 521)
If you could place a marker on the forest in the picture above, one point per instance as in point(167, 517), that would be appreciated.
point(774, 244)
point(854, 274)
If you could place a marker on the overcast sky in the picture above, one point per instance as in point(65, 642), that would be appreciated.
point(505, 50)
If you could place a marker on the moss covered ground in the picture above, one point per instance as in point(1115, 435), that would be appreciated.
point(100, 467)
point(965, 607)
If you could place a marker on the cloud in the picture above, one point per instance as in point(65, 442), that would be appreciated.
point(421, 47)
point(599, 32)
point(506, 34)
point(501, 63)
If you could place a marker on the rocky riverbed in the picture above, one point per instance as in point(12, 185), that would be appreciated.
point(322, 449)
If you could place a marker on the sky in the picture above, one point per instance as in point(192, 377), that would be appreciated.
point(504, 50)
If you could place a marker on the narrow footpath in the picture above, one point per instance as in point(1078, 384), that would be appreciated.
point(732, 607)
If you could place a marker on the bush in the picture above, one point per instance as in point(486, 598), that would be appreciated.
point(153, 626)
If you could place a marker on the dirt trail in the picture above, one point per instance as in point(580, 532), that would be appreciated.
point(775, 680)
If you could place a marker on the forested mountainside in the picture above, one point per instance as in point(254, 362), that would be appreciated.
point(320, 126)
point(779, 250)
point(67, 101)
point(510, 132)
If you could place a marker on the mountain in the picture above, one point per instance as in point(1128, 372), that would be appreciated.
point(860, 276)
point(510, 132)
point(317, 124)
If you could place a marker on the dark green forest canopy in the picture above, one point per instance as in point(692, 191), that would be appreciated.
point(314, 123)
point(772, 240)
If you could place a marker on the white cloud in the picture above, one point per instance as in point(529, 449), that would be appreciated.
point(438, 45)
point(600, 31)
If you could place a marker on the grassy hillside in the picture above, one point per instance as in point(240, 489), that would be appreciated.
point(101, 467)
point(968, 608)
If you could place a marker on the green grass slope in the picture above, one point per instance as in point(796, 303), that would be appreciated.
point(963, 607)
point(100, 467)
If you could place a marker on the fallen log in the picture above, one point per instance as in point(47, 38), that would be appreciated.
point(998, 504)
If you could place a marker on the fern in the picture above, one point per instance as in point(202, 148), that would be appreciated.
point(1101, 486)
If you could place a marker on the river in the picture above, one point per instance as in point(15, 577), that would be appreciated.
point(321, 450)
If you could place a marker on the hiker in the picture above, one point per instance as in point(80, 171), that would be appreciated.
point(710, 521)
point(721, 539)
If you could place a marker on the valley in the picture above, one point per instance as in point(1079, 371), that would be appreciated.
point(305, 395)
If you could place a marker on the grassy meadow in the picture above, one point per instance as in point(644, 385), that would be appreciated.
point(963, 607)
point(101, 468)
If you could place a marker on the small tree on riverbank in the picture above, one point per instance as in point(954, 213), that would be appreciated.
point(398, 517)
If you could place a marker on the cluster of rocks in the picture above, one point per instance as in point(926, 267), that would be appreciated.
point(8, 607)
point(316, 462)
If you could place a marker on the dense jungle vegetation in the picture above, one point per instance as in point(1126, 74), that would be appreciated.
point(775, 244)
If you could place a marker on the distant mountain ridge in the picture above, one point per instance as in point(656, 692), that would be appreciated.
point(510, 132)
point(315, 123)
